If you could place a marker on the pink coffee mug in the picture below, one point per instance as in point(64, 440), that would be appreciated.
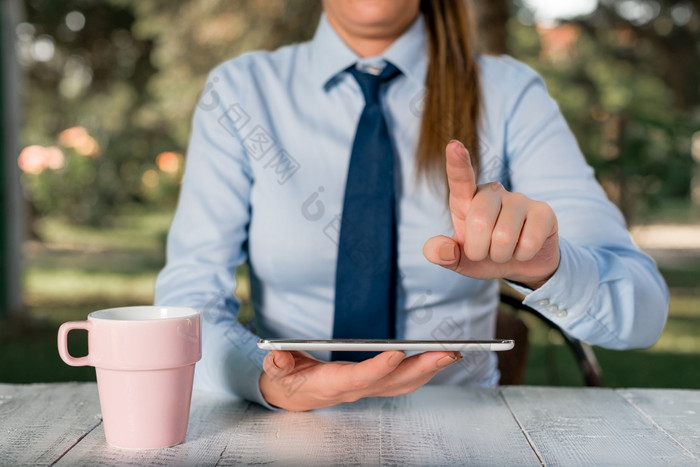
point(144, 357)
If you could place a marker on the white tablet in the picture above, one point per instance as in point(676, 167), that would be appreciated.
point(378, 345)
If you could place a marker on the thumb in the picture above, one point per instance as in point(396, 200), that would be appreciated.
point(443, 251)
point(278, 363)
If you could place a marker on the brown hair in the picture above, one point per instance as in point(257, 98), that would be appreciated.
point(452, 102)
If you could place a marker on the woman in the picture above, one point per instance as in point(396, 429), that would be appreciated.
point(265, 182)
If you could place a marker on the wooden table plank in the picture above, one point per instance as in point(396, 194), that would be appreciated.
point(434, 426)
point(677, 412)
point(40, 422)
point(208, 434)
point(455, 426)
point(307, 438)
point(591, 426)
point(9, 390)
point(45, 423)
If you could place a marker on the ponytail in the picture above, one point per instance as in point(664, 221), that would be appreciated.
point(452, 103)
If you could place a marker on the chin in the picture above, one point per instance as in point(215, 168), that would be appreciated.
point(373, 16)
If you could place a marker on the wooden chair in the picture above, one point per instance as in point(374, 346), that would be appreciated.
point(512, 364)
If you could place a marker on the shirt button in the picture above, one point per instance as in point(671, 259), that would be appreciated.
point(551, 308)
point(562, 313)
point(543, 302)
point(374, 70)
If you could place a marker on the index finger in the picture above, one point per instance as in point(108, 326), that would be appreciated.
point(461, 178)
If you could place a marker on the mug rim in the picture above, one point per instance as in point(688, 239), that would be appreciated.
point(182, 313)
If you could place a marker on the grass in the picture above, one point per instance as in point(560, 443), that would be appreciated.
point(73, 271)
point(76, 270)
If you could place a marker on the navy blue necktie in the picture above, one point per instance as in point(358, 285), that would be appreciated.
point(365, 290)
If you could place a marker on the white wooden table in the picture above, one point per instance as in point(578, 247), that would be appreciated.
point(61, 424)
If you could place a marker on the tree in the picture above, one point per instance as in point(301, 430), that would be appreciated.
point(111, 89)
point(190, 38)
point(492, 20)
point(614, 76)
point(83, 70)
point(128, 72)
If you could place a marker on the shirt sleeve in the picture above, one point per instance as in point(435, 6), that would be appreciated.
point(605, 291)
point(206, 244)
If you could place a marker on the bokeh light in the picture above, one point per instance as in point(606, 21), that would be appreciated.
point(35, 159)
point(150, 179)
point(169, 162)
point(80, 140)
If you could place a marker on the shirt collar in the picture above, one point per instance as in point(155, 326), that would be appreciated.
point(330, 55)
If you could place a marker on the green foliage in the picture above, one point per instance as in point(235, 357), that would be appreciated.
point(129, 73)
point(76, 181)
point(190, 38)
point(93, 79)
point(619, 103)
point(70, 190)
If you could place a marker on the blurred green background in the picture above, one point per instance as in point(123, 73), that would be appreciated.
point(107, 93)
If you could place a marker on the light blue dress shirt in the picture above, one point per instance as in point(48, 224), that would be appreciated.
point(264, 182)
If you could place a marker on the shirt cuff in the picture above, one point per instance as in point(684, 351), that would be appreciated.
point(233, 363)
point(569, 293)
point(244, 376)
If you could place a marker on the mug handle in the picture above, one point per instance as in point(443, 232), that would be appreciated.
point(63, 343)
